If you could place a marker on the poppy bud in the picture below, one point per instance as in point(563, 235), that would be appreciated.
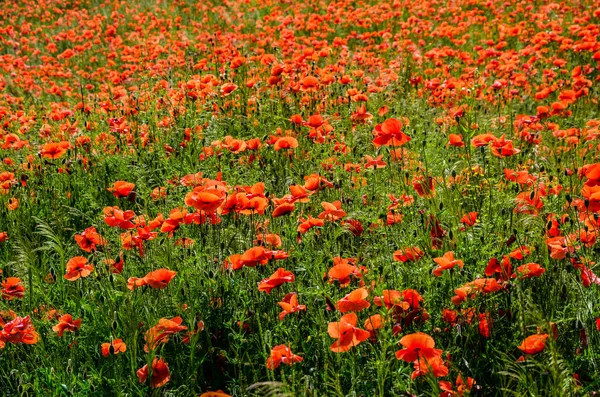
point(568, 198)
point(329, 304)
point(532, 195)
point(586, 202)
point(583, 338)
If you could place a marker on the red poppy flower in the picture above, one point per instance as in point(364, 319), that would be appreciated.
point(278, 278)
point(346, 333)
point(160, 332)
point(289, 305)
point(372, 324)
point(315, 182)
point(54, 150)
point(416, 346)
point(377, 162)
point(520, 253)
point(333, 211)
point(121, 189)
point(12, 288)
point(530, 270)
point(446, 262)
point(78, 267)
point(455, 140)
point(207, 200)
point(309, 223)
point(468, 219)
point(528, 203)
point(281, 354)
point(485, 323)
point(283, 209)
point(114, 217)
point(158, 279)
point(66, 323)
point(533, 344)
point(483, 140)
point(160, 373)
point(390, 299)
point(354, 301)
point(254, 256)
point(228, 88)
point(19, 330)
point(218, 393)
point(424, 186)
point(286, 142)
point(471, 289)
point(434, 365)
point(408, 254)
point(389, 133)
point(89, 239)
point(118, 346)
point(344, 268)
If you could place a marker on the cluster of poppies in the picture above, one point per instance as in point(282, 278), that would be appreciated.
point(250, 184)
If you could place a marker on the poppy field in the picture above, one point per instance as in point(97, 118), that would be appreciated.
point(317, 198)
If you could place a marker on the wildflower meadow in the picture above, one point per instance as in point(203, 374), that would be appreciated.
point(299, 198)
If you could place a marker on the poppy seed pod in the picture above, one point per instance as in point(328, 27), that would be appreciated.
point(115, 324)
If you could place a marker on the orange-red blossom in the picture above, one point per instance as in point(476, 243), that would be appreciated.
point(346, 333)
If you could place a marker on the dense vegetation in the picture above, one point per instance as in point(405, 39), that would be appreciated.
point(364, 198)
